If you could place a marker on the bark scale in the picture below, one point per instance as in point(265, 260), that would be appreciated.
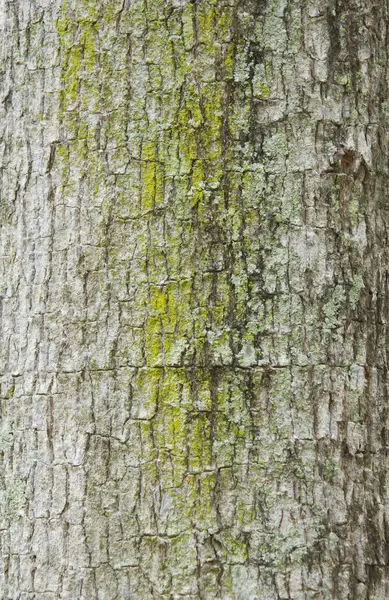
point(194, 299)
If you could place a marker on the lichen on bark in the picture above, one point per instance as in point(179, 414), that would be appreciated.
point(193, 296)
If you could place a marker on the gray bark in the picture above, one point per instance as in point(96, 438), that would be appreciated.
point(194, 299)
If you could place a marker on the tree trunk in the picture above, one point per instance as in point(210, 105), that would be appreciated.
point(194, 299)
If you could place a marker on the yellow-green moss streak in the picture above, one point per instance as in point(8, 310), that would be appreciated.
point(189, 177)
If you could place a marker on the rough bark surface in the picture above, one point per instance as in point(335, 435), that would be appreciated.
point(194, 299)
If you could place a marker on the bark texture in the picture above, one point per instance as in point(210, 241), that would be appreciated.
point(194, 299)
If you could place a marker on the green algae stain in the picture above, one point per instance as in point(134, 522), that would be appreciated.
point(356, 290)
point(87, 72)
point(158, 119)
point(16, 499)
point(333, 308)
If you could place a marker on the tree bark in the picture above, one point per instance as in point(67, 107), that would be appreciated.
point(194, 299)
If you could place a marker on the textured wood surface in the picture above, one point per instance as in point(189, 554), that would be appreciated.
point(194, 300)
